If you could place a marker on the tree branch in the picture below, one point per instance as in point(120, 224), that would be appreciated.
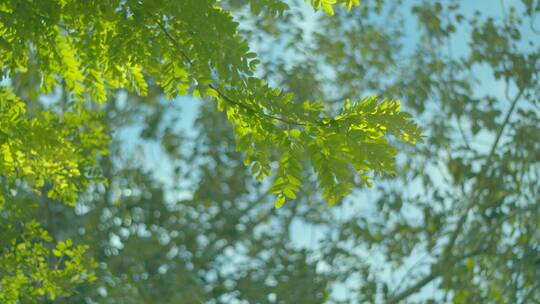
point(474, 196)
point(230, 100)
point(472, 202)
point(251, 110)
point(414, 288)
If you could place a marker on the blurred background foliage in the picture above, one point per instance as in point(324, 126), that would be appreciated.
point(181, 220)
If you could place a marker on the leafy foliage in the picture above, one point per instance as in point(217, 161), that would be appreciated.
point(328, 5)
point(455, 221)
point(456, 224)
point(95, 51)
point(90, 50)
point(53, 158)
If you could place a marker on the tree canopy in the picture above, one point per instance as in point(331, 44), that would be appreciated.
point(91, 48)
point(86, 217)
point(96, 47)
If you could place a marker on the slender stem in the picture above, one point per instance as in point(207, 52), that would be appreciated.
point(463, 136)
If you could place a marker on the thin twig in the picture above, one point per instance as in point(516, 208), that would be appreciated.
point(249, 109)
